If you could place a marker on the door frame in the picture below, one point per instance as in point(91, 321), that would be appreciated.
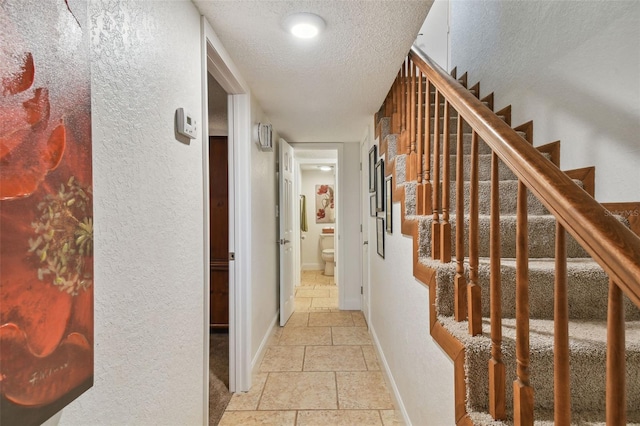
point(216, 60)
point(365, 248)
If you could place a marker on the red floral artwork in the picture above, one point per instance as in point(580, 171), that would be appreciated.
point(46, 220)
point(325, 204)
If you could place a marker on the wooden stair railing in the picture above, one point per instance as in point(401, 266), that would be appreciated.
point(610, 243)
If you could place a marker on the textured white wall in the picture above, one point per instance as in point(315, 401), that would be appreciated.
point(148, 187)
point(310, 247)
point(572, 67)
point(264, 236)
point(349, 185)
point(421, 372)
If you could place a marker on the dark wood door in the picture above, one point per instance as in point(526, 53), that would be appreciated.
point(219, 231)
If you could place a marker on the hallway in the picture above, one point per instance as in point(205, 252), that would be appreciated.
point(319, 369)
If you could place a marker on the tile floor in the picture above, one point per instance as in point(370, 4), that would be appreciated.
point(319, 369)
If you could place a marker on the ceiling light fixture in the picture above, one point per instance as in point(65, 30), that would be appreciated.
point(325, 168)
point(304, 25)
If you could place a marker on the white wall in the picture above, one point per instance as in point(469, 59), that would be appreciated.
point(148, 186)
point(434, 38)
point(310, 246)
point(349, 226)
point(264, 236)
point(572, 67)
point(421, 374)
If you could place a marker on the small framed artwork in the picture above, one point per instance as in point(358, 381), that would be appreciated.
point(380, 235)
point(372, 205)
point(380, 186)
point(388, 203)
point(373, 156)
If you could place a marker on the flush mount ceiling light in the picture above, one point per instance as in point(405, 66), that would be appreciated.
point(304, 25)
point(325, 168)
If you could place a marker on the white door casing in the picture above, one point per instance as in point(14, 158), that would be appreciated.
point(286, 179)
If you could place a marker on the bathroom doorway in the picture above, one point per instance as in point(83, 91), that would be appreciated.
point(317, 185)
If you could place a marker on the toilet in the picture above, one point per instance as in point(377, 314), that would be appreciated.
point(326, 245)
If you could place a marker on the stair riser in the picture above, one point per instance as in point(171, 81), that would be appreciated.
point(508, 198)
point(587, 377)
point(483, 148)
point(541, 231)
point(588, 288)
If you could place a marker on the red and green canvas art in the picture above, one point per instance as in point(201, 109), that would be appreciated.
point(46, 209)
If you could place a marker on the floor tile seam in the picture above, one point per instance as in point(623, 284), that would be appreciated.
point(335, 380)
point(264, 385)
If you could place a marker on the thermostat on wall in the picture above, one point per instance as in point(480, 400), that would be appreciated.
point(186, 124)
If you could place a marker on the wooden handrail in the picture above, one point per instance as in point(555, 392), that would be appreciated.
point(612, 245)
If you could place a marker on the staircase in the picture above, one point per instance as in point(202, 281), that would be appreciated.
point(535, 326)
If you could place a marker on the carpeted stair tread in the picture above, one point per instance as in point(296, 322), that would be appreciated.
point(588, 287)
point(588, 355)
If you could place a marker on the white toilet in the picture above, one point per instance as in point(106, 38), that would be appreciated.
point(326, 245)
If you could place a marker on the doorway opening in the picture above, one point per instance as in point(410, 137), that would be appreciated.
point(235, 100)
point(218, 162)
point(317, 278)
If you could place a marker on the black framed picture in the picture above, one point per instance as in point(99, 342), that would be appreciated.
point(388, 203)
point(372, 205)
point(380, 235)
point(373, 156)
point(380, 186)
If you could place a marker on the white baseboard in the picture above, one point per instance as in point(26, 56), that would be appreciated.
point(312, 266)
point(395, 393)
point(255, 363)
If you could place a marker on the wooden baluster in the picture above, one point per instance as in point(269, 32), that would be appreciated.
point(474, 301)
point(425, 199)
point(403, 104)
point(406, 139)
point(616, 388)
point(420, 142)
point(445, 226)
point(460, 283)
point(561, 380)
point(411, 163)
point(522, 390)
point(435, 225)
point(395, 121)
point(497, 378)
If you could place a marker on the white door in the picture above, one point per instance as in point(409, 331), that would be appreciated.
point(364, 220)
point(286, 232)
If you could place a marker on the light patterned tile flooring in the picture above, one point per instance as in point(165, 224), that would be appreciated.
point(319, 369)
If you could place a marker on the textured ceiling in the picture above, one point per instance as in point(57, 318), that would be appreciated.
point(325, 89)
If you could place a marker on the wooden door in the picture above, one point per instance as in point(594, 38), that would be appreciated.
point(219, 232)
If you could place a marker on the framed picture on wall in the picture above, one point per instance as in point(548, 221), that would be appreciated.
point(388, 203)
point(373, 156)
point(380, 186)
point(372, 205)
point(380, 236)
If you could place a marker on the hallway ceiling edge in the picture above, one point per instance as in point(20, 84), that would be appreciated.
point(325, 89)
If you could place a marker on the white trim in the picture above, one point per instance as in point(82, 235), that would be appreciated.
point(389, 377)
point(242, 164)
point(219, 63)
point(312, 267)
point(255, 363)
